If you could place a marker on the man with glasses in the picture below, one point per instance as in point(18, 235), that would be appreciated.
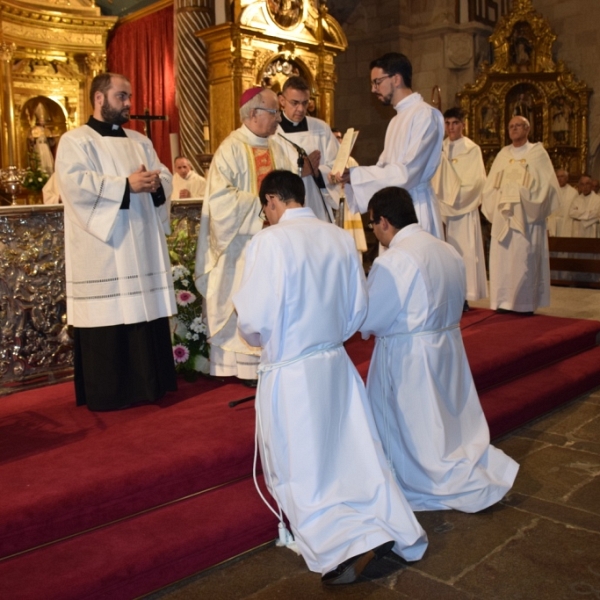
point(230, 217)
point(316, 139)
point(412, 149)
point(426, 408)
point(521, 191)
point(303, 294)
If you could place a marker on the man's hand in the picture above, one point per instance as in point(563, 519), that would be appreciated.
point(340, 177)
point(143, 180)
point(311, 163)
point(184, 194)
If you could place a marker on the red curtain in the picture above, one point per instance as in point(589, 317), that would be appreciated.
point(143, 51)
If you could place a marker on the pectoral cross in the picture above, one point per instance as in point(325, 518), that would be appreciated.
point(148, 118)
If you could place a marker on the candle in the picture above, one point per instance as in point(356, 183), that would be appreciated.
point(206, 133)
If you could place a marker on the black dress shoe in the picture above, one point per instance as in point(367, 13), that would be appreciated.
point(466, 307)
point(350, 570)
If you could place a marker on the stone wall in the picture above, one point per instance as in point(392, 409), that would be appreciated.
point(447, 54)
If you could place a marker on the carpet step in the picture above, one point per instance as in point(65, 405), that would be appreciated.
point(503, 347)
point(65, 469)
point(143, 553)
point(509, 406)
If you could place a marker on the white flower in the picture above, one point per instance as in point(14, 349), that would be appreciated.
point(185, 283)
point(195, 337)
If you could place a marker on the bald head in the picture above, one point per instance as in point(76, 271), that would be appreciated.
point(518, 131)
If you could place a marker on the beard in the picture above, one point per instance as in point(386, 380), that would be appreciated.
point(112, 115)
point(386, 100)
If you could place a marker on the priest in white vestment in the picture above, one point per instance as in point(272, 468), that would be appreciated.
point(420, 385)
point(585, 210)
point(559, 223)
point(313, 145)
point(302, 295)
point(186, 182)
point(458, 184)
point(412, 149)
point(521, 191)
point(119, 286)
point(230, 217)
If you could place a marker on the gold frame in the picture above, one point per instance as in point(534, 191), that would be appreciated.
point(525, 79)
point(239, 53)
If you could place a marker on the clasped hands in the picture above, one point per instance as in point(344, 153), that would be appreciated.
point(143, 180)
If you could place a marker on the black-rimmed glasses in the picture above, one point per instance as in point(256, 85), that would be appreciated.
point(376, 82)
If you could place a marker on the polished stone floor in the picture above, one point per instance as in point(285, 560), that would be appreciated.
point(542, 542)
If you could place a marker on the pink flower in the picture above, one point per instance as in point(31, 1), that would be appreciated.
point(180, 353)
point(184, 298)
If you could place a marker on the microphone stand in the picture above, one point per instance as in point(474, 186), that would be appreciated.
point(301, 156)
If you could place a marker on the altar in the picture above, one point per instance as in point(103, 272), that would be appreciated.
point(36, 346)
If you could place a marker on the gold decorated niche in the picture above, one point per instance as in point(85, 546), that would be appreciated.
point(50, 52)
point(525, 80)
point(264, 43)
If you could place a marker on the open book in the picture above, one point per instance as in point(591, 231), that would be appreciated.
point(341, 160)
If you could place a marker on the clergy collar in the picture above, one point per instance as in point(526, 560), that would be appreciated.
point(406, 102)
point(297, 213)
point(252, 138)
point(289, 126)
point(106, 129)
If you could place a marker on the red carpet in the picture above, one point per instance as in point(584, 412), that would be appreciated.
point(65, 470)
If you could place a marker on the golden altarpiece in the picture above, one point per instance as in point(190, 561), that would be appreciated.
point(525, 80)
point(265, 42)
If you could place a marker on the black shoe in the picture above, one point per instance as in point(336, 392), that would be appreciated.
point(350, 570)
point(251, 383)
point(466, 307)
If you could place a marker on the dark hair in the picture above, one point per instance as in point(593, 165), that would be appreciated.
point(296, 83)
point(101, 83)
point(285, 184)
point(455, 113)
point(395, 204)
point(394, 63)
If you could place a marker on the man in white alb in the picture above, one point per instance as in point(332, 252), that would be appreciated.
point(420, 385)
point(302, 295)
point(521, 191)
point(413, 144)
point(119, 286)
point(231, 215)
point(559, 223)
point(458, 184)
point(585, 210)
point(313, 137)
point(186, 182)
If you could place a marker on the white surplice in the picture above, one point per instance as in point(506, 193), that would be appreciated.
point(410, 158)
point(519, 257)
point(559, 223)
point(117, 263)
point(318, 137)
point(458, 184)
point(230, 217)
point(420, 384)
point(304, 294)
point(194, 183)
point(585, 212)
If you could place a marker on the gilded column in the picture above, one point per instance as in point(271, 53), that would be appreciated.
point(95, 63)
point(192, 76)
point(7, 118)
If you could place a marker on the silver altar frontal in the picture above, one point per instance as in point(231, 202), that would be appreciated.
point(36, 346)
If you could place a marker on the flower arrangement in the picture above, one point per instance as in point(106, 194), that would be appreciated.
point(35, 179)
point(190, 346)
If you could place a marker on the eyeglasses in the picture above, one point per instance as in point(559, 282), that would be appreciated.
point(372, 222)
point(271, 111)
point(261, 214)
point(376, 82)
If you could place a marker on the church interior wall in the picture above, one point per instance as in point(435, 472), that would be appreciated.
point(420, 29)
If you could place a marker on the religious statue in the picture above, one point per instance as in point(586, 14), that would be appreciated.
point(40, 139)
